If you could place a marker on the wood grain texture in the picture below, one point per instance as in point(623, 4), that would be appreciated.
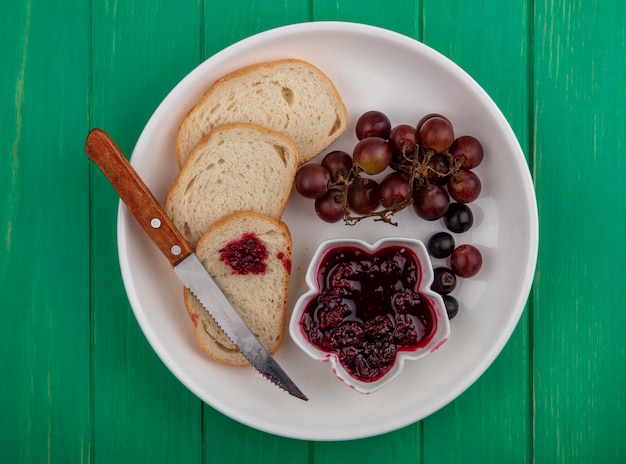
point(45, 235)
point(403, 16)
point(225, 24)
point(81, 383)
point(490, 421)
point(141, 413)
point(228, 22)
point(136, 196)
point(404, 445)
point(579, 353)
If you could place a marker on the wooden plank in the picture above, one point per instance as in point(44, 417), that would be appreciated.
point(403, 16)
point(489, 422)
point(44, 264)
point(580, 355)
point(403, 445)
point(226, 440)
point(555, 394)
point(223, 28)
point(142, 413)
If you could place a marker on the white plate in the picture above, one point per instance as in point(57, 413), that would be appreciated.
point(373, 69)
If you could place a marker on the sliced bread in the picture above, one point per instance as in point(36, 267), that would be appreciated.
point(236, 167)
point(289, 96)
point(249, 257)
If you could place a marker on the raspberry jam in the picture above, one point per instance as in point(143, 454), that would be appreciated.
point(285, 260)
point(246, 255)
point(369, 309)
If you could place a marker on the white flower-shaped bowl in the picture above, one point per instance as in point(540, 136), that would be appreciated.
point(439, 333)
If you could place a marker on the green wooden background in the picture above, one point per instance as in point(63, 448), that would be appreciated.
point(79, 380)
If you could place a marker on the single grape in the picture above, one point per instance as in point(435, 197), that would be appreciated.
point(444, 280)
point(364, 197)
point(438, 169)
point(459, 218)
point(466, 261)
point(312, 180)
point(464, 186)
point(394, 189)
point(338, 163)
point(440, 245)
point(468, 150)
point(436, 133)
point(427, 117)
point(373, 124)
point(430, 202)
point(372, 154)
point(452, 306)
point(403, 140)
point(329, 207)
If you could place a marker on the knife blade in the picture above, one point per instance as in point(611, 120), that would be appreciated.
point(142, 204)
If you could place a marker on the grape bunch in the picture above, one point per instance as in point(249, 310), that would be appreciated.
point(424, 166)
point(430, 170)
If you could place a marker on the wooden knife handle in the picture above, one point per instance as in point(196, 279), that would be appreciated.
point(136, 196)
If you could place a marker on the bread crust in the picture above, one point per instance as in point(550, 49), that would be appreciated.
point(209, 336)
point(310, 118)
point(279, 202)
point(182, 147)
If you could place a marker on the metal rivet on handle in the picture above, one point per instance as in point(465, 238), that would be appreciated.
point(155, 223)
point(176, 250)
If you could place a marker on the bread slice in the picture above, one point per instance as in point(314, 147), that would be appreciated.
point(255, 284)
point(236, 167)
point(289, 96)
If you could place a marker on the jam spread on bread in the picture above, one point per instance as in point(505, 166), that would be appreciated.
point(285, 260)
point(246, 255)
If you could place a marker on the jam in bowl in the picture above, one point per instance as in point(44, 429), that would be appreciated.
point(369, 308)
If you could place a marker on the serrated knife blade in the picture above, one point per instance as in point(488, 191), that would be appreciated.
point(146, 209)
point(196, 278)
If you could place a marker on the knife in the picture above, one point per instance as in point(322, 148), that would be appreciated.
point(146, 209)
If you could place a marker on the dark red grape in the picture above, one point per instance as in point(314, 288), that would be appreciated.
point(394, 189)
point(439, 169)
point(364, 197)
point(373, 124)
point(372, 154)
point(329, 207)
point(338, 163)
point(459, 218)
point(466, 261)
point(464, 186)
point(436, 133)
point(468, 150)
point(444, 280)
point(427, 117)
point(403, 140)
point(440, 245)
point(452, 306)
point(312, 180)
point(430, 202)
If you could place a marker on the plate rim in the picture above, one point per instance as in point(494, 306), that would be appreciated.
point(498, 343)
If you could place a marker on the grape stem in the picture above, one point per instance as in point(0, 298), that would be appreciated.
point(417, 168)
